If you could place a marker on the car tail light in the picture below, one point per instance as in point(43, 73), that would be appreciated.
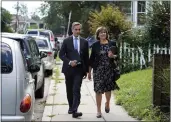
point(52, 38)
point(25, 104)
point(49, 53)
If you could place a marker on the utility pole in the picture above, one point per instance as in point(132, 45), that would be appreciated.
point(16, 28)
point(69, 22)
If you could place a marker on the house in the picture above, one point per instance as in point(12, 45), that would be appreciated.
point(135, 10)
point(138, 12)
point(24, 23)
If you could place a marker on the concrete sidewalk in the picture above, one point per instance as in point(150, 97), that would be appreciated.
point(57, 106)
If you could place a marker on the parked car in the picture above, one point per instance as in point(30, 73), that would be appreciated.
point(33, 57)
point(35, 32)
point(46, 33)
point(45, 46)
point(52, 41)
point(17, 90)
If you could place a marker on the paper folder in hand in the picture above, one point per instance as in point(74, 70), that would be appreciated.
point(76, 56)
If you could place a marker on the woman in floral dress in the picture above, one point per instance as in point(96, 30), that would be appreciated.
point(102, 63)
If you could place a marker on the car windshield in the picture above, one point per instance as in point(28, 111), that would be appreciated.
point(6, 59)
point(32, 32)
point(42, 43)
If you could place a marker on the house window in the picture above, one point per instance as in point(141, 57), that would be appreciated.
point(141, 12)
point(126, 8)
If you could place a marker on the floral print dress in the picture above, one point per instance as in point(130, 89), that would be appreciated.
point(104, 73)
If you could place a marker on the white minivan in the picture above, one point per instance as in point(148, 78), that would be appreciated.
point(45, 47)
point(17, 82)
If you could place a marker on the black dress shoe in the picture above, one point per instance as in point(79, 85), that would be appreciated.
point(70, 112)
point(76, 114)
point(107, 110)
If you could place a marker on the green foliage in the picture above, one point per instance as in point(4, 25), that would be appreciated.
point(158, 23)
point(156, 30)
point(6, 19)
point(135, 95)
point(110, 17)
point(34, 26)
point(57, 13)
point(129, 67)
point(7, 29)
point(135, 37)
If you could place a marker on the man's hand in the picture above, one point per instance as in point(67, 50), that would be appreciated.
point(73, 63)
point(89, 76)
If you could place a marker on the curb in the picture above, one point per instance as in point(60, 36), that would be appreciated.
point(50, 99)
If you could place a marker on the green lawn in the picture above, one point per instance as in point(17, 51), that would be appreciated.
point(58, 59)
point(135, 95)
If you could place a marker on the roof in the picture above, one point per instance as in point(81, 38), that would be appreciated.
point(24, 19)
point(35, 29)
point(47, 31)
point(7, 40)
point(20, 18)
point(14, 35)
point(39, 37)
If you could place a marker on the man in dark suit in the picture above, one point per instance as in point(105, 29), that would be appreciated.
point(75, 56)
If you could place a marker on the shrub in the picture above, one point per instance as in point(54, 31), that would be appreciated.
point(158, 23)
point(110, 17)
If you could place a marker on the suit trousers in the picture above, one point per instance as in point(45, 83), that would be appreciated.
point(73, 83)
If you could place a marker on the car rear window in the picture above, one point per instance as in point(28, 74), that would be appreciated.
point(32, 32)
point(6, 59)
point(42, 43)
point(43, 33)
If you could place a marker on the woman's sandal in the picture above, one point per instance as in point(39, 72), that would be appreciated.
point(107, 109)
point(99, 115)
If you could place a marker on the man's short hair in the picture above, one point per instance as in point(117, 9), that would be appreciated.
point(74, 24)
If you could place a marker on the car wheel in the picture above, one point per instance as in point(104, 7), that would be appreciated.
point(40, 91)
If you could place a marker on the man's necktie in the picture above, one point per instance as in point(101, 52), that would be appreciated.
point(76, 44)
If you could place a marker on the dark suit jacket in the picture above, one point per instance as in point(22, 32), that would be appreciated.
point(94, 57)
point(68, 53)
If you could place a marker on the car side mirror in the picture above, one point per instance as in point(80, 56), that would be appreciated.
point(43, 55)
point(34, 68)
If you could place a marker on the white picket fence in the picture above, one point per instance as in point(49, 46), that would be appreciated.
point(137, 54)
